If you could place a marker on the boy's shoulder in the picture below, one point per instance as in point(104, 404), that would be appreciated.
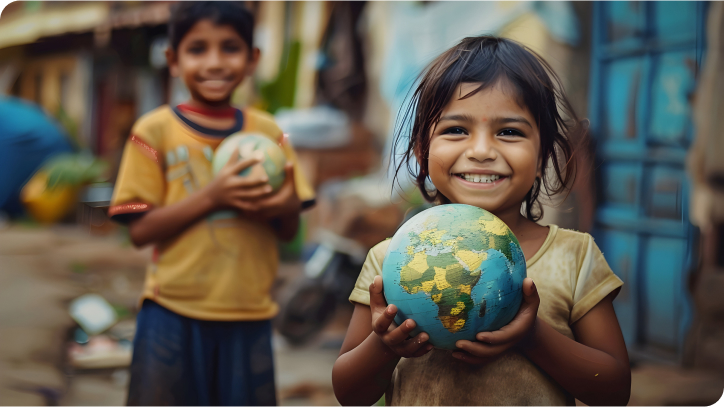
point(261, 121)
point(151, 125)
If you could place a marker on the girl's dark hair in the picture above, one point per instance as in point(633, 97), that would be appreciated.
point(490, 60)
point(185, 14)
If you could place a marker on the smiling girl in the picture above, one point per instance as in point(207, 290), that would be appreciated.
point(486, 131)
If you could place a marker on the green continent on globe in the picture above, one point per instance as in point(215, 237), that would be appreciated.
point(448, 267)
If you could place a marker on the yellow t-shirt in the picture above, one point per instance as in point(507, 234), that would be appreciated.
point(571, 276)
point(217, 269)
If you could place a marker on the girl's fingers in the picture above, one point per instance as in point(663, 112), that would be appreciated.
point(410, 346)
point(377, 299)
point(402, 333)
point(530, 292)
point(482, 349)
point(424, 348)
point(382, 323)
point(468, 358)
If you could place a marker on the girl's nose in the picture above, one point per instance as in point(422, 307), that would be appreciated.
point(481, 148)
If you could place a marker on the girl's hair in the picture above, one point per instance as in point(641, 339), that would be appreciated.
point(490, 60)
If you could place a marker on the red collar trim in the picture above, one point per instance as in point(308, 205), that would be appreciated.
point(229, 112)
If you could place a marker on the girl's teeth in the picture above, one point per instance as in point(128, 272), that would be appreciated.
point(481, 178)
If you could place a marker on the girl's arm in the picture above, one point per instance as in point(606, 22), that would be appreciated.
point(594, 368)
point(227, 190)
point(371, 350)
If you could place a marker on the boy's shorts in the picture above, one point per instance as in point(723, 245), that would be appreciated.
point(183, 361)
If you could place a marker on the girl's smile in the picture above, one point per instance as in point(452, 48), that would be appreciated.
point(485, 149)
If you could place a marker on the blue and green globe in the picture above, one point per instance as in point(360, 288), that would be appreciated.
point(456, 270)
point(250, 144)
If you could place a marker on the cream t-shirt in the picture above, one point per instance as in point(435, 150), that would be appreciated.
point(571, 276)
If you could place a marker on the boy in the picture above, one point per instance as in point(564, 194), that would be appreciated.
point(203, 332)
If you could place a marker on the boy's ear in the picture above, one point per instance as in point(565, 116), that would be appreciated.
point(253, 61)
point(172, 62)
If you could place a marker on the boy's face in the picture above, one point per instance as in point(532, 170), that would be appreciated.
point(212, 60)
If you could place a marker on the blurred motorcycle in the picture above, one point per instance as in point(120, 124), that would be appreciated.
point(332, 270)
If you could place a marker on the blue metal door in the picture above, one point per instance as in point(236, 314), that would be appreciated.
point(646, 56)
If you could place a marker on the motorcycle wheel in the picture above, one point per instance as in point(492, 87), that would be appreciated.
point(308, 308)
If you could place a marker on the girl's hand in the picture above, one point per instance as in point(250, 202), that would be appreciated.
point(397, 338)
point(229, 190)
point(515, 333)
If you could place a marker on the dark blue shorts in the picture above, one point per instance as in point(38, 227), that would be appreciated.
point(184, 361)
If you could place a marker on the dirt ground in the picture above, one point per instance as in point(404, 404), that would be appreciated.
point(43, 269)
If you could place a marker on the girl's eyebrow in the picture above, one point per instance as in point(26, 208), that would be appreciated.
point(466, 118)
point(458, 118)
point(514, 119)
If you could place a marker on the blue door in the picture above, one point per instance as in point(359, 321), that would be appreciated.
point(645, 62)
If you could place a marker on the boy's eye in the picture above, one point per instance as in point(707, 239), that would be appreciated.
point(511, 133)
point(196, 49)
point(231, 48)
point(455, 130)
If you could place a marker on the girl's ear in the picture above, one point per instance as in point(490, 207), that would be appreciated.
point(172, 62)
point(539, 171)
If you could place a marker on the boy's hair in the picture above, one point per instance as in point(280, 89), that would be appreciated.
point(490, 60)
point(185, 14)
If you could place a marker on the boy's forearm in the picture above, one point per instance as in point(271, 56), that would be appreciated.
point(361, 376)
point(166, 222)
point(590, 375)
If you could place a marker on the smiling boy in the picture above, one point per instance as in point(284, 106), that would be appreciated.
point(203, 333)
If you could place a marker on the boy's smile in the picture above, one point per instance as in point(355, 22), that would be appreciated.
point(212, 60)
point(485, 149)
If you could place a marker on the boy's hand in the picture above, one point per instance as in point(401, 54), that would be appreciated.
point(397, 338)
point(515, 333)
point(283, 202)
point(229, 190)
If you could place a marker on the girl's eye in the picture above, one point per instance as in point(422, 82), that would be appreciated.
point(511, 133)
point(455, 130)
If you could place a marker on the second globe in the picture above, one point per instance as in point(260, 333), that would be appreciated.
point(456, 270)
point(250, 144)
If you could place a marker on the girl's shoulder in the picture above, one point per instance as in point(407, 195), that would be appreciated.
point(563, 242)
point(380, 249)
point(569, 237)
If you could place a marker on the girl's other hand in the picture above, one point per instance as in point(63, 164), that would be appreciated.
point(517, 332)
point(229, 190)
point(397, 338)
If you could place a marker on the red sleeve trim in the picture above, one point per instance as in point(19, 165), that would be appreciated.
point(147, 149)
point(128, 208)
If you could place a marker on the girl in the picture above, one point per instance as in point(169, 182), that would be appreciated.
point(486, 131)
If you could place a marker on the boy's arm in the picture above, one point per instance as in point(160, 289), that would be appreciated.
point(227, 190)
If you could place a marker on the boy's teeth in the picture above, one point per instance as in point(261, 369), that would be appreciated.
point(480, 177)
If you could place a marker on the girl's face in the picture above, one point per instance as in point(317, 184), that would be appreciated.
point(485, 150)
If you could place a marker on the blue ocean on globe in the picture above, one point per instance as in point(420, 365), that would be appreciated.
point(456, 270)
